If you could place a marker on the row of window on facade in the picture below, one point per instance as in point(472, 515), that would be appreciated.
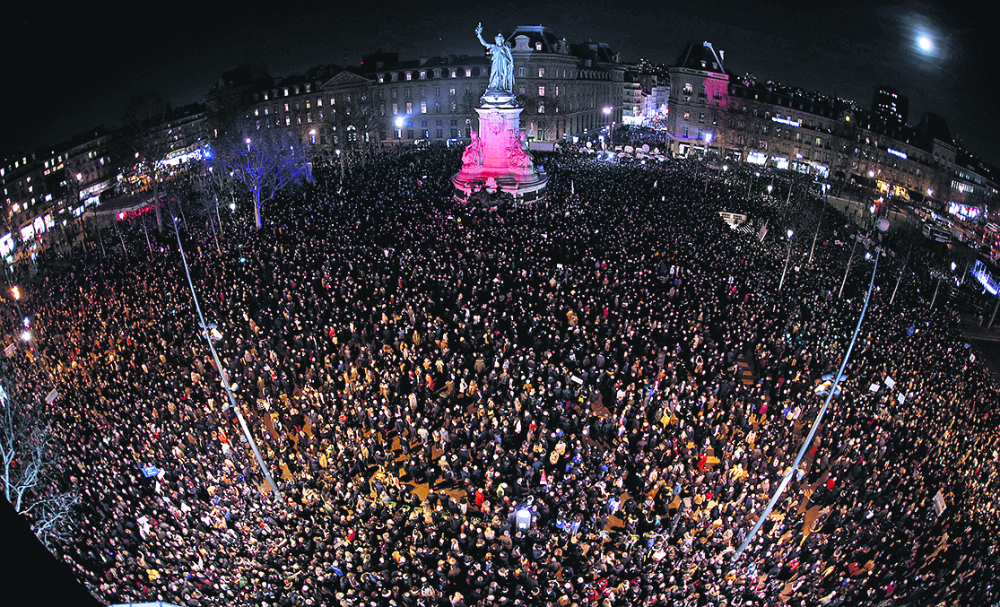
point(287, 91)
point(468, 72)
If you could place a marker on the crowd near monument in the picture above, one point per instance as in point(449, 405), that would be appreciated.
point(498, 159)
point(585, 401)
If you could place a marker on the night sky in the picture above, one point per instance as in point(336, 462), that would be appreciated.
point(73, 66)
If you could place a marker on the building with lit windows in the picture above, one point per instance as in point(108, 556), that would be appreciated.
point(566, 89)
point(697, 100)
point(889, 106)
point(51, 186)
point(711, 111)
point(787, 128)
point(47, 189)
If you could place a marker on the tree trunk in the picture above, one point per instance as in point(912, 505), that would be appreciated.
point(156, 205)
point(256, 208)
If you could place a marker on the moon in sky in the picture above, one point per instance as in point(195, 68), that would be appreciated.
point(925, 44)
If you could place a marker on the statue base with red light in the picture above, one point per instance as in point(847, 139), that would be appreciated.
point(498, 157)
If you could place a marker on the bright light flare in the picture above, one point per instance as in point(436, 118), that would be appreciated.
point(925, 44)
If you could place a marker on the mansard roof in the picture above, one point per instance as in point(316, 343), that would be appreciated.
point(535, 34)
point(702, 57)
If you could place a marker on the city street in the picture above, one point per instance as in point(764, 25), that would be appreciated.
point(861, 214)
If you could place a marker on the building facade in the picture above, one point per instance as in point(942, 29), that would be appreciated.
point(697, 100)
point(710, 111)
point(566, 90)
point(47, 189)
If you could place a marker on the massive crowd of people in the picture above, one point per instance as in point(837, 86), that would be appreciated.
point(586, 401)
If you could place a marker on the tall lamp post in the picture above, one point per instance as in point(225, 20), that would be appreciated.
point(818, 224)
point(900, 277)
point(939, 275)
point(206, 333)
point(847, 270)
point(787, 257)
point(750, 187)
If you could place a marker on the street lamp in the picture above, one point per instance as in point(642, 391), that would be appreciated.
point(121, 216)
point(787, 257)
point(939, 275)
point(207, 330)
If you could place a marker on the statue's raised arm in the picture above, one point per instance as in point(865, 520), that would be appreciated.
point(502, 69)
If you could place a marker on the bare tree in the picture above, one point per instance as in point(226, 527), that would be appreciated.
point(149, 143)
point(204, 193)
point(29, 459)
point(264, 162)
point(217, 187)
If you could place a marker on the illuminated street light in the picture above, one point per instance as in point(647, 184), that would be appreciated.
point(16, 292)
point(26, 336)
point(788, 256)
point(399, 122)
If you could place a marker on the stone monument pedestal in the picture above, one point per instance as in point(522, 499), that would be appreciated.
point(498, 158)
